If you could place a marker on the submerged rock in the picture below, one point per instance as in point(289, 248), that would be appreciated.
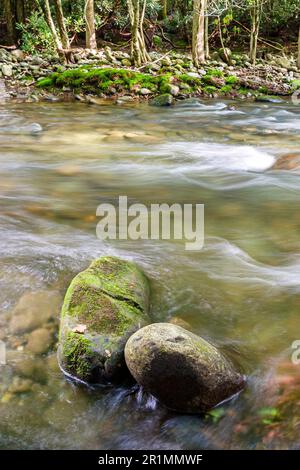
point(180, 369)
point(163, 100)
point(33, 310)
point(103, 306)
point(290, 161)
point(39, 341)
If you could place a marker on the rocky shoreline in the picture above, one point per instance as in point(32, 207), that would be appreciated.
point(108, 74)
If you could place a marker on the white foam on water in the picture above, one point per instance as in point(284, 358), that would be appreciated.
point(208, 156)
point(226, 261)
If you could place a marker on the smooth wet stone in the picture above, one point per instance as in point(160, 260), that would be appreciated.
point(291, 161)
point(33, 310)
point(182, 370)
point(145, 91)
point(103, 306)
point(174, 90)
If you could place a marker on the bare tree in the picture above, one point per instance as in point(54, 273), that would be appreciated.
point(11, 33)
point(90, 36)
point(61, 24)
point(198, 34)
point(49, 20)
point(136, 11)
point(255, 13)
point(164, 9)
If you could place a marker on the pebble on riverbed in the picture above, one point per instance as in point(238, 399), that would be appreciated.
point(33, 310)
point(39, 341)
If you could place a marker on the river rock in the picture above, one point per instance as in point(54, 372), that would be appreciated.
point(7, 70)
point(103, 307)
point(145, 91)
point(225, 54)
point(163, 100)
point(182, 370)
point(33, 310)
point(291, 161)
point(39, 341)
point(18, 54)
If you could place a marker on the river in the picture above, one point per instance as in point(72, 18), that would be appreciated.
point(58, 162)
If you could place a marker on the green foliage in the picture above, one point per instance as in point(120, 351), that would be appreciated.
point(215, 73)
point(231, 80)
point(296, 84)
point(45, 82)
point(157, 41)
point(226, 89)
point(100, 80)
point(210, 90)
point(35, 35)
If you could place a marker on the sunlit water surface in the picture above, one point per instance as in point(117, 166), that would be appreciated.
point(58, 162)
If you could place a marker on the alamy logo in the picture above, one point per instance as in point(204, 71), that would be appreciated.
point(296, 353)
point(159, 221)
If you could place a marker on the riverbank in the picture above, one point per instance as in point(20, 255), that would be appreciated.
point(108, 74)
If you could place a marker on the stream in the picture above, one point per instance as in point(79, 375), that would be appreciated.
point(58, 162)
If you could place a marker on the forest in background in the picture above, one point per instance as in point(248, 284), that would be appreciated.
point(255, 27)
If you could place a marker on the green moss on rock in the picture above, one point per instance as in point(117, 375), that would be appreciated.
point(103, 306)
point(163, 100)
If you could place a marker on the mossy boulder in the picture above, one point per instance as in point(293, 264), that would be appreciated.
point(163, 100)
point(182, 370)
point(103, 307)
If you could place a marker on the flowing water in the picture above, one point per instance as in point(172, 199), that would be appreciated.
point(58, 162)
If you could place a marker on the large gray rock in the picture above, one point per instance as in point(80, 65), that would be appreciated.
point(103, 306)
point(180, 369)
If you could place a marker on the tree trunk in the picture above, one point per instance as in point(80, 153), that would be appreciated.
point(255, 13)
point(139, 53)
point(207, 54)
point(61, 24)
point(198, 33)
point(20, 11)
point(224, 49)
point(49, 20)
point(298, 61)
point(10, 23)
point(90, 36)
point(164, 9)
